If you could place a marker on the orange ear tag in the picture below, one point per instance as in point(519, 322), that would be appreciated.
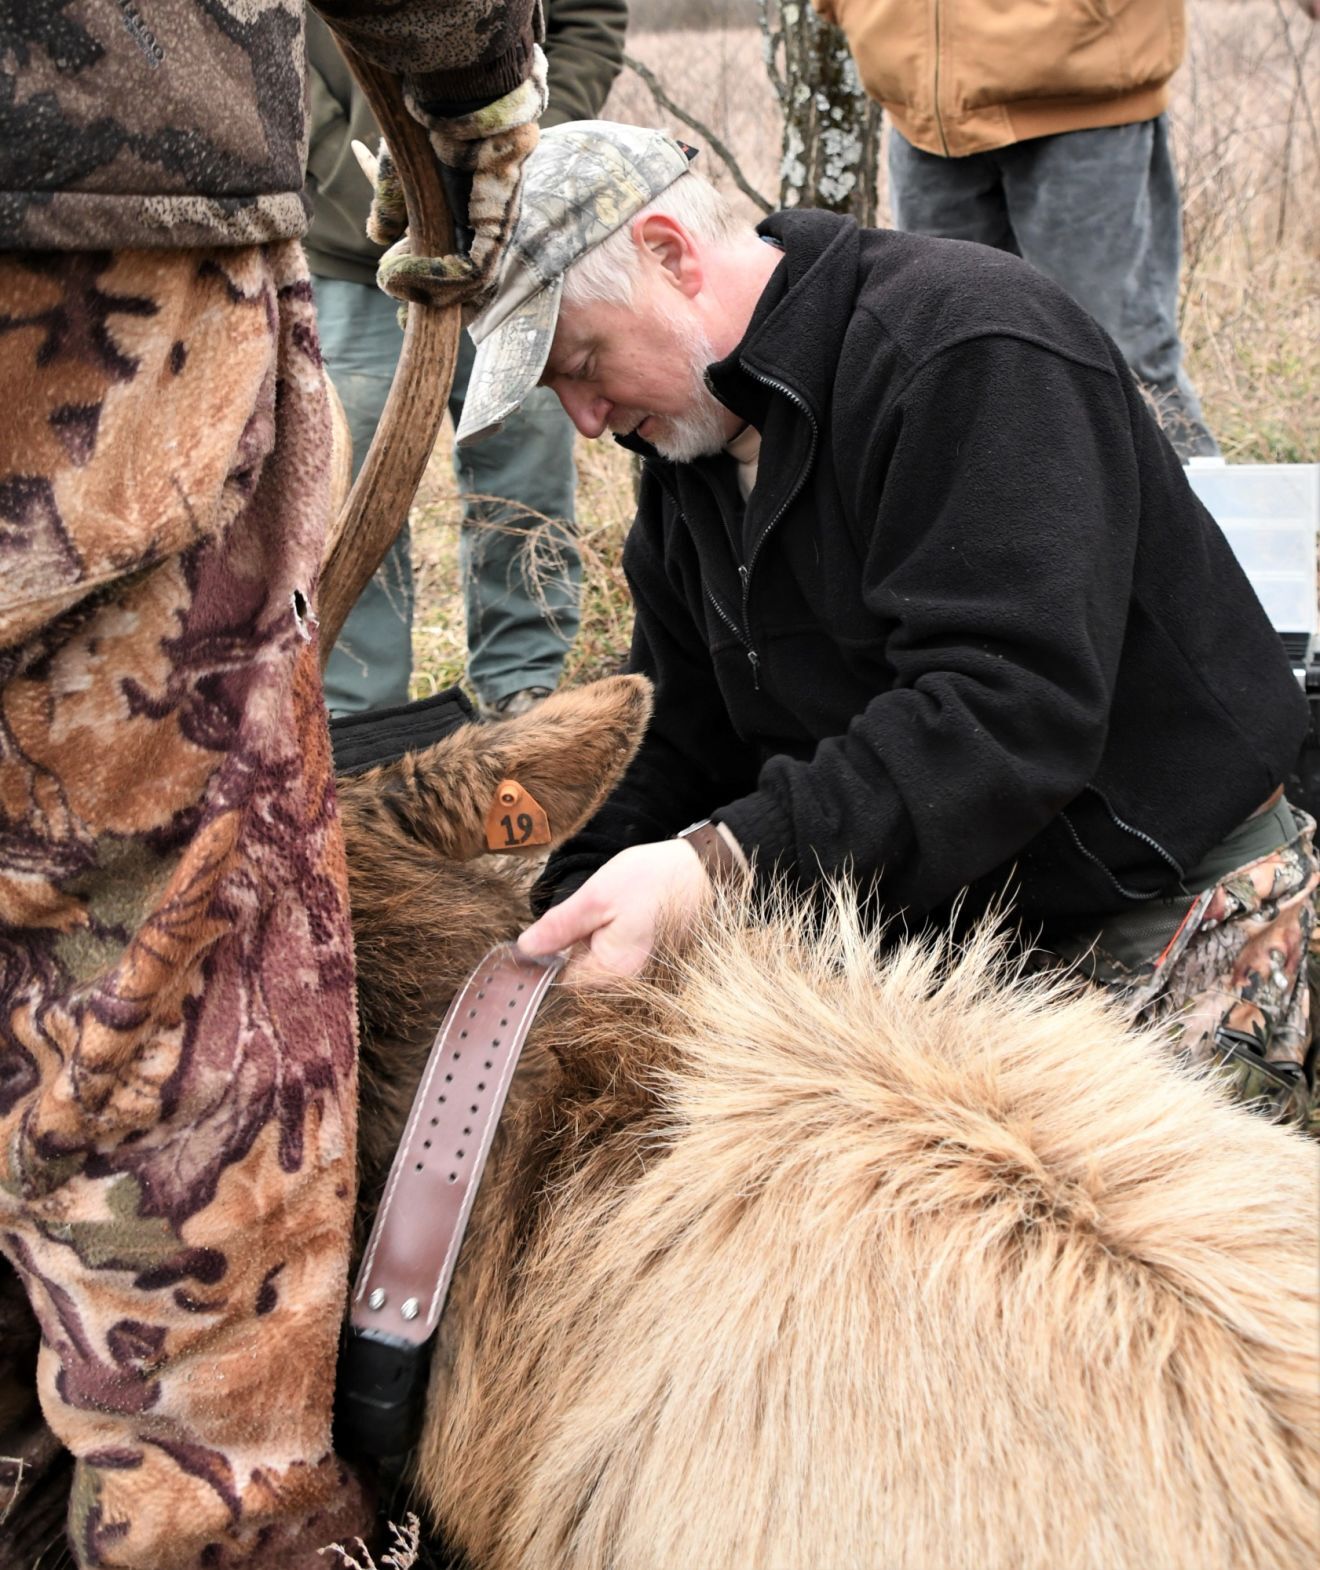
point(516, 820)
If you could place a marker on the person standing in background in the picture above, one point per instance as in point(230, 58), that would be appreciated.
point(1042, 130)
point(521, 604)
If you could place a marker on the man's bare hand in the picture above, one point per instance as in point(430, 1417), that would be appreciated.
point(619, 911)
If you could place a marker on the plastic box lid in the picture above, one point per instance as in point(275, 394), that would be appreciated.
point(1270, 513)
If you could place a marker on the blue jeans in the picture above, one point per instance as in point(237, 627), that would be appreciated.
point(522, 573)
point(1096, 211)
point(521, 598)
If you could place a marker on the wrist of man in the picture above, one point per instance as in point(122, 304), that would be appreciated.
point(717, 850)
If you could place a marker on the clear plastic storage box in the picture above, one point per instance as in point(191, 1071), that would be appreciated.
point(1271, 514)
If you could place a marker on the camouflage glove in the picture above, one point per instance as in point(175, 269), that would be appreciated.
point(488, 147)
point(388, 219)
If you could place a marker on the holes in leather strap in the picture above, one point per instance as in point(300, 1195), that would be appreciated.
point(511, 1019)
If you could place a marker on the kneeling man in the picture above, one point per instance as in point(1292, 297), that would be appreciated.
point(925, 597)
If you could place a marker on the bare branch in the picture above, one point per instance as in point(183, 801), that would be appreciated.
point(772, 37)
point(1298, 59)
point(719, 148)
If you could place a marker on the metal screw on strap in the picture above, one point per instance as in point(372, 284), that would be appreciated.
point(377, 1298)
point(408, 1308)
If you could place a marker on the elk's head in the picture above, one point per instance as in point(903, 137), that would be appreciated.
point(428, 899)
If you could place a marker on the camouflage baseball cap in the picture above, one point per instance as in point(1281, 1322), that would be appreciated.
point(582, 181)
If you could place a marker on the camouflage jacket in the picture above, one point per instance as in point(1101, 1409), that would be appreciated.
point(172, 123)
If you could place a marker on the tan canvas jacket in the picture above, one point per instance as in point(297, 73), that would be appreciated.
point(967, 76)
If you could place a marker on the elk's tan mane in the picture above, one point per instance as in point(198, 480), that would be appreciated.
point(807, 1250)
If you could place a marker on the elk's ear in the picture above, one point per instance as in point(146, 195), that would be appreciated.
point(567, 754)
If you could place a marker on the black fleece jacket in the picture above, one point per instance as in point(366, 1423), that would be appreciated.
point(972, 630)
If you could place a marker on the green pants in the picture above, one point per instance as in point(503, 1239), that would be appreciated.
point(521, 568)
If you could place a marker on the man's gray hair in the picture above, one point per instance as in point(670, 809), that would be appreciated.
point(607, 273)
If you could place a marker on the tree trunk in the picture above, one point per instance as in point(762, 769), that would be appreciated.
point(830, 152)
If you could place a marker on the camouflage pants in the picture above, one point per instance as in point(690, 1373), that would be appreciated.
point(177, 1053)
point(1235, 981)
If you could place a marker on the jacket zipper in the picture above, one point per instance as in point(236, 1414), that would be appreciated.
point(744, 578)
point(734, 627)
point(939, 117)
point(1165, 856)
point(744, 633)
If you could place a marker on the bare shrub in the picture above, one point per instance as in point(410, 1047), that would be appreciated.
point(1247, 146)
point(660, 16)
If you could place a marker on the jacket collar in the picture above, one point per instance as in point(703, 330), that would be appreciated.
point(800, 319)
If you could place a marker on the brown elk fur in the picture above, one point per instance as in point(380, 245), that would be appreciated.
point(801, 1252)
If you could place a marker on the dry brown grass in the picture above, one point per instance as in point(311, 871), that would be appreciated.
point(1246, 111)
point(401, 1555)
point(604, 506)
point(1247, 121)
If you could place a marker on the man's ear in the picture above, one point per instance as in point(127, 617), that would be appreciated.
point(670, 249)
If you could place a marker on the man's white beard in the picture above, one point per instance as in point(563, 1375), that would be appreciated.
point(699, 432)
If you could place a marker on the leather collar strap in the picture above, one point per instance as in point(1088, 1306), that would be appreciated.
point(414, 1244)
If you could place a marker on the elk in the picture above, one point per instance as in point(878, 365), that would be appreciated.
point(806, 1248)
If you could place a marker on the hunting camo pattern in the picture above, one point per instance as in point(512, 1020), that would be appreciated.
point(582, 183)
point(132, 123)
point(585, 180)
point(177, 1049)
point(1239, 979)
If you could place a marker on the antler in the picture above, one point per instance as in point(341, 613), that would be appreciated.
point(376, 507)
